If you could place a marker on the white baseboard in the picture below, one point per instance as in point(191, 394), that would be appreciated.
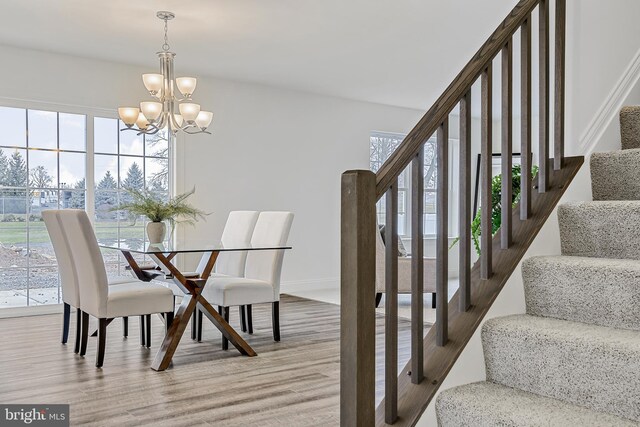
point(331, 283)
point(35, 310)
point(611, 107)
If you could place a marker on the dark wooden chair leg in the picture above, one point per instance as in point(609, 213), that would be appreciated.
point(433, 300)
point(378, 298)
point(200, 314)
point(76, 349)
point(142, 332)
point(125, 327)
point(194, 326)
point(225, 315)
point(85, 333)
point(243, 319)
point(275, 320)
point(168, 320)
point(249, 319)
point(66, 317)
point(147, 325)
point(102, 341)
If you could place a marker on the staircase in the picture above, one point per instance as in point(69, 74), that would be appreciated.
point(408, 390)
point(574, 357)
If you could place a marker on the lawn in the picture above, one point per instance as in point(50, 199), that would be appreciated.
point(15, 233)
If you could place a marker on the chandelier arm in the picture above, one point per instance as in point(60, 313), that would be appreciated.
point(196, 132)
point(172, 120)
point(151, 129)
point(148, 132)
point(163, 121)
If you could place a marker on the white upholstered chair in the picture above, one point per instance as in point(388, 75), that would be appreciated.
point(68, 279)
point(404, 273)
point(237, 232)
point(261, 281)
point(97, 297)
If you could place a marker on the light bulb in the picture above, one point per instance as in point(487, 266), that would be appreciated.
point(189, 111)
point(128, 115)
point(153, 82)
point(179, 119)
point(186, 85)
point(204, 119)
point(151, 110)
point(142, 122)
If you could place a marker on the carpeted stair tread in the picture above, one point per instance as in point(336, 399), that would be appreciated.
point(587, 365)
point(614, 175)
point(601, 229)
point(486, 404)
point(630, 127)
point(598, 291)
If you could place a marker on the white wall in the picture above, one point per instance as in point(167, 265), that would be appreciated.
point(602, 75)
point(271, 149)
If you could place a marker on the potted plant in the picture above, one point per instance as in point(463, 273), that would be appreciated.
point(160, 211)
point(496, 204)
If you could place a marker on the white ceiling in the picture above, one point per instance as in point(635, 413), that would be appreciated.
point(397, 52)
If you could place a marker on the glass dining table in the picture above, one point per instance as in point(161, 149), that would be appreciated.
point(192, 285)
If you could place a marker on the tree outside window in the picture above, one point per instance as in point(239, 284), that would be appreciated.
point(381, 146)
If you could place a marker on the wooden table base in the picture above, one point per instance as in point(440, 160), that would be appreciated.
point(193, 298)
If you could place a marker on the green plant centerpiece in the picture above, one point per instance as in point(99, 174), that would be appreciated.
point(160, 211)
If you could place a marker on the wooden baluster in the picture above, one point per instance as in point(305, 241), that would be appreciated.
point(485, 172)
point(506, 192)
point(560, 37)
point(391, 305)
point(464, 209)
point(357, 311)
point(543, 173)
point(526, 184)
point(442, 235)
point(417, 268)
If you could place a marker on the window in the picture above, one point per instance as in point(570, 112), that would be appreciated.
point(381, 147)
point(125, 160)
point(44, 164)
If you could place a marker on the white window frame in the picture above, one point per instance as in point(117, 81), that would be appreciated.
point(90, 113)
point(453, 188)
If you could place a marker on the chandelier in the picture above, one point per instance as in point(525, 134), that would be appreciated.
point(168, 111)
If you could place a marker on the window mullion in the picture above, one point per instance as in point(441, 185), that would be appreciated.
point(90, 197)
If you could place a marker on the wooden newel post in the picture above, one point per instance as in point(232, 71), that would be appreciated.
point(357, 309)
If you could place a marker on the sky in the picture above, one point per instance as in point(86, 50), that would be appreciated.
point(43, 134)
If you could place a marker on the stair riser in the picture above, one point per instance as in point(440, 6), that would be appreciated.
point(574, 366)
point(630, 127)
point(600, 229)
point(614, 175)
point(587, 290)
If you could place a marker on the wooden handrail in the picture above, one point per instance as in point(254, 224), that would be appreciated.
point(429, 123)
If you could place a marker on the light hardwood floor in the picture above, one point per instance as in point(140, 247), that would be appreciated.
point(291, 383)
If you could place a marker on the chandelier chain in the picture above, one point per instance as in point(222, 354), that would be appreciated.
point(165, 46)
